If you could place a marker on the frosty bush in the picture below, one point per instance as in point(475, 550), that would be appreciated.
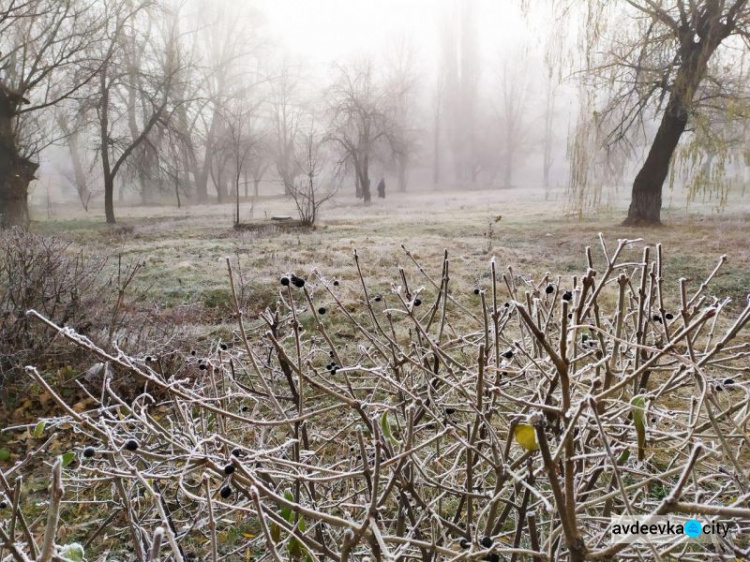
point(383, 428)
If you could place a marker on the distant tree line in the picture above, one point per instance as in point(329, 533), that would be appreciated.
point(194, 102)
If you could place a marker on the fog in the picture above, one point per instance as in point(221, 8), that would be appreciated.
point(197, 102)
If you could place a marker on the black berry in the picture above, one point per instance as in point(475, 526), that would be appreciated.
point(669, 316)
point(298, 282)
point(728, 382)
point(657, 318)
point(226, 491)
point(202, 366)
point(464, 543)
point(192, 352)
point(417, 302)
point(131, 445)
point(285, 281)
point(487, 542)
point(450, 411)
point(550, 289)
point(508, 354)
point(3, 504)
point(378, 298)
point(148, 359)
point(507, 305)
point(335, 283)
point(223, 347)
point(229, 469)
point(476, 292)
point(567, 295)
point(89, 452)
point(245, 408)
point(236, 452)
point(322, 310)
point(718, 388)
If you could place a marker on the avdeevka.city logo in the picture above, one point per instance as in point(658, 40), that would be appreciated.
point(655, 529)
point(693, 528)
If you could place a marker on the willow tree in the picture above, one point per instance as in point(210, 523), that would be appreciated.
point(667, 62)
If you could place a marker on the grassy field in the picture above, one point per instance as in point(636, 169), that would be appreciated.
point(183, 290)
point(185, 250)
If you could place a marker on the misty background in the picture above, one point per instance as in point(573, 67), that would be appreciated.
point(462, 94)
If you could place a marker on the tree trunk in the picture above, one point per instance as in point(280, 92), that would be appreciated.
point(14, 192)
point(16, 172)
point(366, 191)
point(109, 204)
point(109, 178)
point(645, 205)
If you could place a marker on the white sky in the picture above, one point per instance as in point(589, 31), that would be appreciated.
point(324, 30)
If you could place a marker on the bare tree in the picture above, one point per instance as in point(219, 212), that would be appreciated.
point(514, 92)
point(240, 116)
point(44, 60)
point(460, 65)
point(286, 111)
point(261, 159)
point(227, 46)
point(319, 176)
point(158, 72)
point(402, 80)
point(360, 118)
point(73, 126)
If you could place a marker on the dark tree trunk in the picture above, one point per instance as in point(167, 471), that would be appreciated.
point(14, 191)
point(109, 203)
point(16, 172)
point(645, 205)
point(367, 196)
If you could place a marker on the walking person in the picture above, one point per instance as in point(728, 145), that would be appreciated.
point(381, 188)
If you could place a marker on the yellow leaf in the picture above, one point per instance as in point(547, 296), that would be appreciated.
point(248, 535)
point(525, 435)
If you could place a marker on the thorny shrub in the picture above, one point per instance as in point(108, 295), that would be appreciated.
point(387, 433)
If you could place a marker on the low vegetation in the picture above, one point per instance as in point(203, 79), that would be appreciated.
point(508, 421)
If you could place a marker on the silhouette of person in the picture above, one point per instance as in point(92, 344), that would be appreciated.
point(381, 188)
